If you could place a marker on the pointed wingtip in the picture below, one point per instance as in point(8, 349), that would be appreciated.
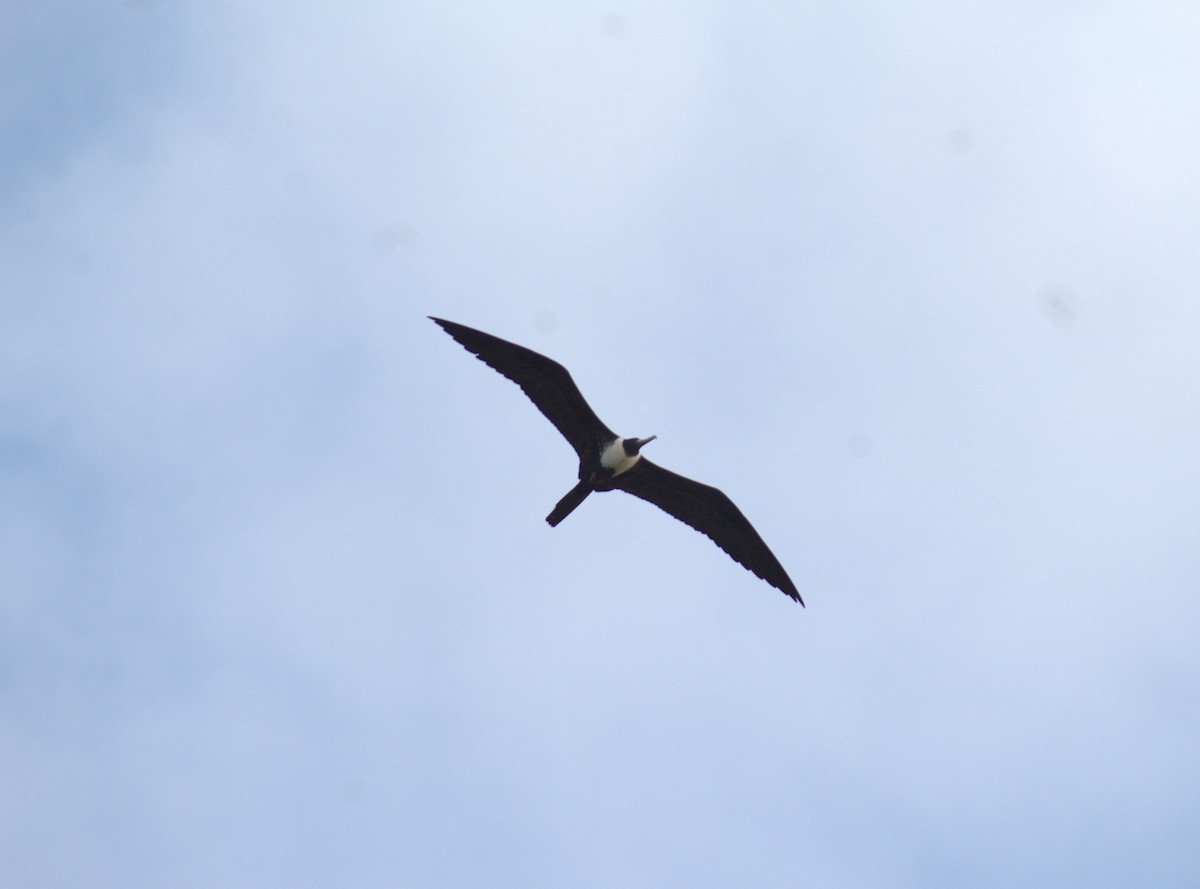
point(793, 593)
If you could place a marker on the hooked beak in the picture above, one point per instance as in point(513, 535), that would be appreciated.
point(642, 442)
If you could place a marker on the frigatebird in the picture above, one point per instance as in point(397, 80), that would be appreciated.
point(609, 462)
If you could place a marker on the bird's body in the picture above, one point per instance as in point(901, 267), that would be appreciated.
point(616, 459)
point(609, 462)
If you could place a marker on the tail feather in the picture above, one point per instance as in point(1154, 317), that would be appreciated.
point(566, 506)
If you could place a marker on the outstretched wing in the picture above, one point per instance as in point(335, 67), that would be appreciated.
point(711, 513)
point(544, 380)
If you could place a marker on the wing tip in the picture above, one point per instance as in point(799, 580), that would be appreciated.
point(785, 586)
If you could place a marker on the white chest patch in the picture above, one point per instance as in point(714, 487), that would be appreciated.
point(614, 457)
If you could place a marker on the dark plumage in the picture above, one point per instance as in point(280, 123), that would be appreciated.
point(608, 462)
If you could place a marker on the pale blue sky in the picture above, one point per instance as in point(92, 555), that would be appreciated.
point(915, 284)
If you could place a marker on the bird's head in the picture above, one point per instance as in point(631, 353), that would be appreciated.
point(633, 445)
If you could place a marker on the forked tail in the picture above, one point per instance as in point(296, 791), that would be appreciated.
point(566, 506)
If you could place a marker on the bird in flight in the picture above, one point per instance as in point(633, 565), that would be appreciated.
point(609, 462)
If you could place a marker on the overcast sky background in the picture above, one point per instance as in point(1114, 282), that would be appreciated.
point(915, 284)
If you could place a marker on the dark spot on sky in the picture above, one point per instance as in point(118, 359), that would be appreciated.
point(614, 25)
point(960, 140)
point(860, 445)
point(545, 321)
point(391, 237)
point(1058, 303)
point(297, 182)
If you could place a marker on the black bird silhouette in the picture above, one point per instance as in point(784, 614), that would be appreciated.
point(608, 462)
